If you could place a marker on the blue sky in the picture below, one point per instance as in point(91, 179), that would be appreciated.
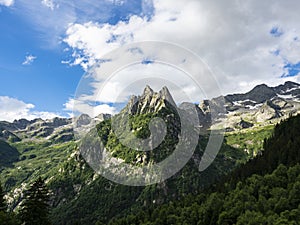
point(44, 80)
point(47, 45)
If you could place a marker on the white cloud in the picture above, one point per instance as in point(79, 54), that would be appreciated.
point(29, 59)
point(82, 107)
point(52, 24)
point(91, 40)
point(7, 2)
point(124, 83)
point(233, 37)
point(50, 4)
point(11, 109)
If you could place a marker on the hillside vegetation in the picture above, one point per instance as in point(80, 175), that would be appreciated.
point(266, 190)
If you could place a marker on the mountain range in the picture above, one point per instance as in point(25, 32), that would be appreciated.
point(259, 106)
point(47, 148)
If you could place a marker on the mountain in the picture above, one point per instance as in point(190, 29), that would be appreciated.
point(150, 101)
point(56, 129)
point(133, 128)
point(258, 94)
point(265, 190)
point(47, 148)
point(261, 106)
point(138, 113)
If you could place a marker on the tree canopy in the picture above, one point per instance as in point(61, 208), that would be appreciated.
point(35, 208)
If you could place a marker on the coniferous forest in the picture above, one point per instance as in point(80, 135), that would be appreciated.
point(264, 190)
point(34, 210)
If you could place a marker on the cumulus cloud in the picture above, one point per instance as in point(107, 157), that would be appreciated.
point(54, 22)
point(7, 2)
point(82, 107)
point(29, 59)
point(11, 109)
point(245, 43)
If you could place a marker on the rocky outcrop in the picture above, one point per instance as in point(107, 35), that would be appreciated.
point(262, 104)
point(102, 116)
point(267, 112)
point(244, 124)
point(82, 120)
point(150, 101)
point(287, 88)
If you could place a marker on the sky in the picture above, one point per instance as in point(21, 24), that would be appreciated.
point(49, 50)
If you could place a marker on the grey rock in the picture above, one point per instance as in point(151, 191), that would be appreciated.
point(267, 112)
point(83, 120)
point(244, 124)
point(102, 116)
point(259, 94)
point(149, 101)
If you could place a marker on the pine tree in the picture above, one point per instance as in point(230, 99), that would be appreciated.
point(6, 218)
point(2, 200)
point(35, 208)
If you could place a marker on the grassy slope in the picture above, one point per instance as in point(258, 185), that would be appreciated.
point(249, 140)
point(35, 159)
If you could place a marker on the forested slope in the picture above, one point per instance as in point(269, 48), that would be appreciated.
point(266, 190)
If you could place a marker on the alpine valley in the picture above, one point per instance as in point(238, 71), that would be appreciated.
point(254, 179)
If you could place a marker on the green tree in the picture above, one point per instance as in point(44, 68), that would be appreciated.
point(35, 208)
point(6, 218)
point(251, 218)
point(2, 200)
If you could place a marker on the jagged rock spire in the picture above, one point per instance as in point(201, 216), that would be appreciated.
point(166, 95)
point(150, 101)
point(148, 91)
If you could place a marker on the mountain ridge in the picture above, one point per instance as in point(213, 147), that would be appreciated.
point(73, 183)
point(262, 104)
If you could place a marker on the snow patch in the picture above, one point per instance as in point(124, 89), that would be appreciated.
point(285, 96)
point(289, 90)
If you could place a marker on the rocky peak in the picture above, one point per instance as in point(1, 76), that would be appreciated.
point(21, 124)
point(291, 84)
point(286, 87)
point(57, 122)
point(150, 101)
point(258, 94)
point(262, 89)
point(288, 90)
point(148, 91)
point(102, 116)
point(82, 120)
point(166, 95)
